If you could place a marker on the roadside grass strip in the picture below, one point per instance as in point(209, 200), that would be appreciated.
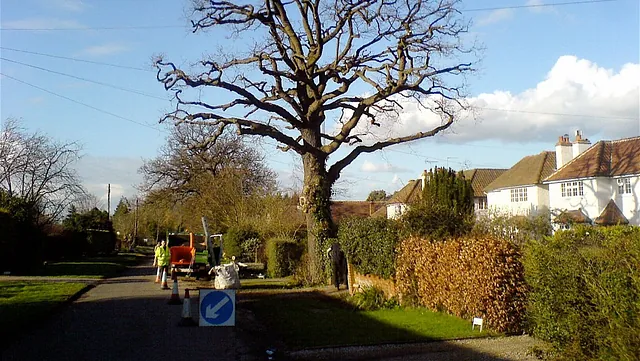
point(308, 320)
point(24, 304)
point(94, 267)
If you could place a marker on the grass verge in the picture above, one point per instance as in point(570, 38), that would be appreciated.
point(313, 319)
point(94, 267)
point(23, 304)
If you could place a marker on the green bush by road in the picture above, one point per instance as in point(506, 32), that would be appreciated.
point(585, 292)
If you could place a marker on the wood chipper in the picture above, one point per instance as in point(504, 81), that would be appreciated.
point(192, 254)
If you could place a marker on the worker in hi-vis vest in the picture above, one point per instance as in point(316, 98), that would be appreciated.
point(161, 259)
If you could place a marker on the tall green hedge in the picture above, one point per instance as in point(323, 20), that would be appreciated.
point(370, 244)
point(234, 237)
point(445, 208)
point(585, 292)
point(283, 256)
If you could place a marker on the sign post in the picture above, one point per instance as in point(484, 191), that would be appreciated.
point(217, 307)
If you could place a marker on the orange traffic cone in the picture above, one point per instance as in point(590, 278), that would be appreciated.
point(158, 274)
point(175, 294)
point(186, 319)
point(164, 281)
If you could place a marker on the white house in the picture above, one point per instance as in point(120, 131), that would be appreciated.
point(399, 202)
point(480, 178)
point(596, 184)
point(519, 191)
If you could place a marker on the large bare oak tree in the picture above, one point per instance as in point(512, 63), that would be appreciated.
point(345, 62)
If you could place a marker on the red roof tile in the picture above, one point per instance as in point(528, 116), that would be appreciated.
point(606, 158)
point(481, 177)
point(611, 215)
point(529, 170)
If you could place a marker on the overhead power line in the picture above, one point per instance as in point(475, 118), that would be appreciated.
point(77, 59)
point(558, 114)
point(539, 5)
point(81, 103)
point(85, 79)
point(149, 70)
point(155, 27)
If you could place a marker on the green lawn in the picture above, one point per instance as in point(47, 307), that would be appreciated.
point(23, 304)
point(312, 319)
point(93, 267)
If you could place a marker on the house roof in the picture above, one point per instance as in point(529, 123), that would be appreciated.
point(611, 215)
point(380, 213)
point(342, 209)
point(481, 177)
point(572, 216)
point(529, 170)
point(408, 194)
point(606, 158)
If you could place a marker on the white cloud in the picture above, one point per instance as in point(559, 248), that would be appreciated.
point(371, 167)
point(120, 172)
point(36, 100)
point(576, 94)
point(42, 24)
point(67, 5)
point(537, 6)
point(104, 49)
point(495, 17)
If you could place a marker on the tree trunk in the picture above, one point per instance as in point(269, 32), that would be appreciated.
point(316, 205)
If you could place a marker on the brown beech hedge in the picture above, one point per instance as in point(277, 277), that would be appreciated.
point(468, 277)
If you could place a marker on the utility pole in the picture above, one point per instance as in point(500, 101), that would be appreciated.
point(109, 201)
point(135, 225)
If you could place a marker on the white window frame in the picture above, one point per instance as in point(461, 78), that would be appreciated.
point(572, 189)
point(624, 185)
point(482, 203)
point(519, 195)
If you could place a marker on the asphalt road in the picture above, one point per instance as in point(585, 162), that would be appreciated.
point(126, 318)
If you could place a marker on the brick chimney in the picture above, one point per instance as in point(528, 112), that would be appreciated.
point(580, 144)
point(563, 151)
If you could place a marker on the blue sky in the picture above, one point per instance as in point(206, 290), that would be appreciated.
point(547, 71)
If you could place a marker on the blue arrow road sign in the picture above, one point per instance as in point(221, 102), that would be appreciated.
point(217, 307)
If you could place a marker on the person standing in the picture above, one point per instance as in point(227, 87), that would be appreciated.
point(336, 256)
point(162, 259)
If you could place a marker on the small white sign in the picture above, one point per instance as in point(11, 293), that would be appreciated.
point(217, 307)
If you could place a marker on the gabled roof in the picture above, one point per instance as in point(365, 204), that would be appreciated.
point(408, 194)
point(573, 216)
point(481, 177)
point(380, 213)
point(529, 170)
point(607, 158)
point(342, 209)
point(611, 215)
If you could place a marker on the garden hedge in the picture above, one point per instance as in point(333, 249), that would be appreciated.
point(585, 292)
point(467, 277)
point(370, 245)
point(283, 256)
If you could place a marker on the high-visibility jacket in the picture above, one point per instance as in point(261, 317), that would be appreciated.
point(163, 256)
